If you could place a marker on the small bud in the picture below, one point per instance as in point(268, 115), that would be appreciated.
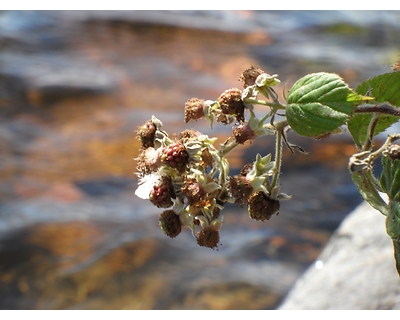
point(170, 223)
point(231, 103)
point(146, 134)
point(251, 129)
point(261, 207)
point(250, 75)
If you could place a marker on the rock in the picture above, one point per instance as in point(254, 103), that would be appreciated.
point(356, 270)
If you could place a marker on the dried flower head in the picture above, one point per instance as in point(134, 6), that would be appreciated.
point(194, 193)
point(170, 223)
point(240, 189)
point(250, 75)
point(243, 132)
point(148, 161)
point(208, 237)
point(194, 109)
point(261, 207)
point(189, 134)
point(231, 103)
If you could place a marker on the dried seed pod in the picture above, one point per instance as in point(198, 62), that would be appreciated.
point(261, 207)
point(194, 109)
point(170, 223)
point(208, 237)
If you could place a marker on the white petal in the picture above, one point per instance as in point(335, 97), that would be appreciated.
point(146, 184)
point(143, 191)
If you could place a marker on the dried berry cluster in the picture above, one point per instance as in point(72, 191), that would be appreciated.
point(189, 177)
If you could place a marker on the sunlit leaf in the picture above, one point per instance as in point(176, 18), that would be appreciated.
point(358, 126)
point(384, 88)
point(320, 103)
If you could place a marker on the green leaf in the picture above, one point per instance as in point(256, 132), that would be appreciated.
point(358, 126)
point(365, 185)
point(390, 182)
point(320, 103)
point(314, 119)
point(390, 177)
point(393, 229)
point(393, 220)
point(384, 88)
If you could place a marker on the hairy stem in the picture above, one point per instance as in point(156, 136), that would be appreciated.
point(274, 105)
point(280, 126)
point(381, 108)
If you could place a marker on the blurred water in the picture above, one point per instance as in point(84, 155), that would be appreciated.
point(74, 87)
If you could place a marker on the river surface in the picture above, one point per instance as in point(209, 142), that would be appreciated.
point(74, 87)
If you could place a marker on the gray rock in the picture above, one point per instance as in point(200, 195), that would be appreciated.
point(356, 270)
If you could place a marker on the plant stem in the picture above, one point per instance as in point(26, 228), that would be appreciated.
point(382, 108)
point(371, 130)
point(278, 153)
point(227, 147)
point(274, 105)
